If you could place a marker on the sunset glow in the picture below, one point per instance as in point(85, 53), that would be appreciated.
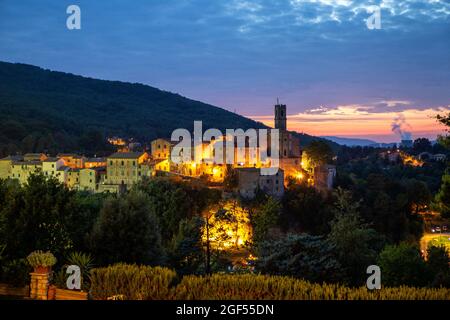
point(363, 122)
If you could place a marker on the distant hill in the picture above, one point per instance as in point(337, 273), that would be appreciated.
point(351, 142)
point(384, 145)
point(48, 111)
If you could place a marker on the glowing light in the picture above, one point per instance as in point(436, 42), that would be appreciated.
point(231, 229)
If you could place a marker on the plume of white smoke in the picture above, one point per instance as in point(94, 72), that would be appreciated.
point(401, 127)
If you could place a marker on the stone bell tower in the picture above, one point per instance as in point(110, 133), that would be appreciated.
point(280, 116)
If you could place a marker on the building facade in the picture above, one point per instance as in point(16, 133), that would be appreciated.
point(127, 168)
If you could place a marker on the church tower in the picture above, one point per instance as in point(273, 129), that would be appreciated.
point(280, 116)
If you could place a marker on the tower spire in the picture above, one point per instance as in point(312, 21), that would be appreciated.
point(280, 116)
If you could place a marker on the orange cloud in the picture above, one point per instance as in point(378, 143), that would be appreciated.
point(361, 121)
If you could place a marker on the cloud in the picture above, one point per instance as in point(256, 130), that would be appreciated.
point(395, 103)
point(396, 14)
point(362, 121)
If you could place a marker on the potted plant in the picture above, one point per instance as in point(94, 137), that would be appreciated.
point(42, 262)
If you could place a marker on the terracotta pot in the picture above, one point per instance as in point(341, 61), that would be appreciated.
point(42, 269)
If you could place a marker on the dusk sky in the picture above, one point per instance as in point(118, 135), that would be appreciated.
point(318, 56)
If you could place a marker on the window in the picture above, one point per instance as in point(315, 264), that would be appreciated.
point(134, 163)
point(90, 181)
point(123, 163)
point(110, 163)
point(53, 165)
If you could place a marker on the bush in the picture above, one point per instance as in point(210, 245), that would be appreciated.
point(299, 255)
point(127, 231)
point(131, 282)
point(403, 265)
point(262, 287)
point(83, 261)
point(39, 258)
point(15, 272)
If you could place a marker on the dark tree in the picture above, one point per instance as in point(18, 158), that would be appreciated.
point(300, 255)
point(403, 265)
point(127, 231)
point(422, 145)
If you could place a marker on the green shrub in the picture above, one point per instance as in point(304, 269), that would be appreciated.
point(82, 260)
point(15, 272)
point(403, 264)
point(39, 258)
point(263, 287)
point(131, 282)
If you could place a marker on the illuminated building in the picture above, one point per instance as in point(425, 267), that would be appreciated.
point(126, 168)
point(250, 181)
point(21, 170)
point(161, 149)
point(94, 162)
point(72, 160)
point(6, 165)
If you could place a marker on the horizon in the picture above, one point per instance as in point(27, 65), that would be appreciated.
point(336, 76)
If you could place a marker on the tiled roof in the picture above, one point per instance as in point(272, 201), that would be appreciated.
point(13, 158)
point(126, 155)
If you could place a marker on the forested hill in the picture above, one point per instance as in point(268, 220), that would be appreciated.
point(48, 111)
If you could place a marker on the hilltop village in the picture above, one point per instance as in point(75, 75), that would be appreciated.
point(119, 171)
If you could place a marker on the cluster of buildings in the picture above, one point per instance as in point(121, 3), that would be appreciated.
point(121, 170)
point(396, 156)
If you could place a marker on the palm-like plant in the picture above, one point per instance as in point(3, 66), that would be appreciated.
point(84, 262)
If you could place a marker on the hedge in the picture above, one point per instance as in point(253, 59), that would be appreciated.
point(131, 282)
point(263, 287)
